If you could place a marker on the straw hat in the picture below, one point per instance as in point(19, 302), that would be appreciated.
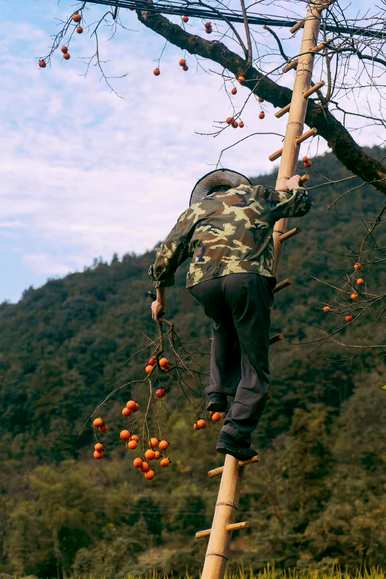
point(218, 178)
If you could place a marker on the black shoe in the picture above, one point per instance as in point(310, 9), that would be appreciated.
point(217, 403)
point(240, 449)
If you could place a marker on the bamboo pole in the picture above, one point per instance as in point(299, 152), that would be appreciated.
point(298, 108)
point(227, 502)
point(228, 494)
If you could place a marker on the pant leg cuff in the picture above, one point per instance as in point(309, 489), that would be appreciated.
point(236, 434)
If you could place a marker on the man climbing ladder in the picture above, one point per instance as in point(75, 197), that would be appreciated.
point(227, 233)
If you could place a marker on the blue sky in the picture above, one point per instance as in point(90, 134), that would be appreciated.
point(85, 173)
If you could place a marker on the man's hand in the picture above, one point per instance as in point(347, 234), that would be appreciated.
point(293, 183)
point(157, 310)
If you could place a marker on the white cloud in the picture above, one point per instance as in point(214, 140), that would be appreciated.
point(41, 263)
point(89, 174)
point(10, 224)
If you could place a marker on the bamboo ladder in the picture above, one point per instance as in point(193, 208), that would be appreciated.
point(231, 473)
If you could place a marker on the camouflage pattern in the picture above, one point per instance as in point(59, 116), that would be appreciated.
point(227, 232)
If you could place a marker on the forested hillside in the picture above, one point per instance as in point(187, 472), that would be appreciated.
point(316, 498)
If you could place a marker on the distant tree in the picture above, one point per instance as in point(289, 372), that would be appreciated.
point(352, 526)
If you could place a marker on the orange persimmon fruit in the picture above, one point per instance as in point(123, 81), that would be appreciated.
point(216, 416)
point(149, 454)
point(98, 422)
point(125, 435)
point(163, 445)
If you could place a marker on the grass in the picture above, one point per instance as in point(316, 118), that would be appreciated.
point(271, 573)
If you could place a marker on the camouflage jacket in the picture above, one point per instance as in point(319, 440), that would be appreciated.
point(227, 232)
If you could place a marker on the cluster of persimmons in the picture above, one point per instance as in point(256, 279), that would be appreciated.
point(357, 284)
point(208, 27)
point(76, 18)
point(153, 452)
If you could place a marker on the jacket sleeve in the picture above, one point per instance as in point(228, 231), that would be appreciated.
point(173, 251)
point(289, 204)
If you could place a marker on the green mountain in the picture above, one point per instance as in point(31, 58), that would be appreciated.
point(317, 496)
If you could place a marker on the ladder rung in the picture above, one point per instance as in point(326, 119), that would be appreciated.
point(294, 63)
point(231, 527)
point(297, 26)
point(276, 155)
point(282, 285)
point(319, 47)
point(304, 179)
point(276, 338)
point(217, 471)
point(313, 89)
point(237, 526)
point(290, 65)
point(306, 135)
point(290, 233)
point(202, 534)
point(283, 111)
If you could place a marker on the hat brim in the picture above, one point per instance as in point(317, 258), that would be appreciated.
point(217, 178)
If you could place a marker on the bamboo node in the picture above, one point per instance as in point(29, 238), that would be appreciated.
point(217, 555)
point(226, 504)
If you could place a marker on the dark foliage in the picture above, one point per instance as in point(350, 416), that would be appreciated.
point(316, 497)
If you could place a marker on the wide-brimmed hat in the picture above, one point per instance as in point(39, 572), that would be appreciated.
point(216, 178)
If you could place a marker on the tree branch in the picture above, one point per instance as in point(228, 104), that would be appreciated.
point(349, 153)
point(247, 32)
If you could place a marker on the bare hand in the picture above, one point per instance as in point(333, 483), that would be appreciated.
point(157, 310)
point(293, 182)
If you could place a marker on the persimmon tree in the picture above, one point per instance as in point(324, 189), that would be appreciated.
point(351, 60)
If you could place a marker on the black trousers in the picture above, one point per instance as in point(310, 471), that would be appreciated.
point(239, 305)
